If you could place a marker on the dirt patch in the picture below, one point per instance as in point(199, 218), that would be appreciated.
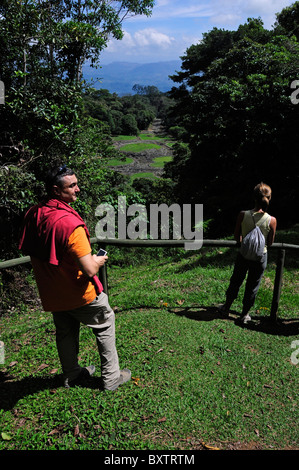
point(17, 290)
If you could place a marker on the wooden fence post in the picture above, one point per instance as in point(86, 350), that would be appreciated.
point(103, 274)
point(277, 285)
point(103, 278)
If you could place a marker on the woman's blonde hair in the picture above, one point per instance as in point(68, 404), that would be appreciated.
point(262, 195)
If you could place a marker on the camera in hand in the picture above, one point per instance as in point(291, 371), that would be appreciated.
point(101, 252)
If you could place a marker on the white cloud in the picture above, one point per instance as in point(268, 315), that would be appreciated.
point(152, 37)
point(162, 3)
point(265, 6)
point(179, 9)
point(235, 12)
point(226, 19)
point(220, 11)
point(134, 43)
point(266, 9)
point(127, 40)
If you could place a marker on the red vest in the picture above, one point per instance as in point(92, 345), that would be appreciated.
point(46, 230)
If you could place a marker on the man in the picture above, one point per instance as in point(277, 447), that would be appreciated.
point(57, 240)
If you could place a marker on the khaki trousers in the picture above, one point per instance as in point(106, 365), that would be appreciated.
point(99, 316)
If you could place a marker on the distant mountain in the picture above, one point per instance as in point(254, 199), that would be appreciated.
point(120, 77)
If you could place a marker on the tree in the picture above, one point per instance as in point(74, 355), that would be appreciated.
point(43, 45)
point(129, 125)
point(239, 122)
point(63, 34)
point(288, 20)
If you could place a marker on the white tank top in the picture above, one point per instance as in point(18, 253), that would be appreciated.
point(248, 224)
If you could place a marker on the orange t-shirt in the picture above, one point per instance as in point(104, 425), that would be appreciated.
point(65, 287)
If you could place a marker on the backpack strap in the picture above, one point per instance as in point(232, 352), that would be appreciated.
point(261, 221)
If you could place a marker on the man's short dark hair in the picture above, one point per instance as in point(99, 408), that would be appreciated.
point(55, 175)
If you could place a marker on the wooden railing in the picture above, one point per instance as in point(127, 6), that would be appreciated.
point(280, 247)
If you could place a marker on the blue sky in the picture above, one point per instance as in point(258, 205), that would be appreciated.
point(177, 24)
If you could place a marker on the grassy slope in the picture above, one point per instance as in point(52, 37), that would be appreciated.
point(140, 147)
point(198, 380)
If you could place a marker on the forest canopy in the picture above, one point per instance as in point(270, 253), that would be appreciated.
point(237, 123)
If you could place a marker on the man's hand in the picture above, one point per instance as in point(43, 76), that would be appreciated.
point(90, 264)
point(101, 260)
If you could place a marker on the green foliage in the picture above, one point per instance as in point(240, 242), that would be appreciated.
point(54, 108)
point(129, 124)
point(18, 190)
point(239, 123)
point(176, 165)
point(128, 114)
point(43, 46)
point(58, 37)
point(288, 20)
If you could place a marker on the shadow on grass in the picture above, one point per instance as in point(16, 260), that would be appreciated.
point(264, 324)
point(259, 323)
point(11, 390)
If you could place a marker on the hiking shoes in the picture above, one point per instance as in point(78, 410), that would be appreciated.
point(223, 310)
point(125, 376)
point(245, 319)
point(85, 374)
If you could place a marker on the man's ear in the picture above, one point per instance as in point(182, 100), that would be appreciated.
point(56, 190)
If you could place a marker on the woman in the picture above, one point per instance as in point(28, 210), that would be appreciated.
point(262, 195)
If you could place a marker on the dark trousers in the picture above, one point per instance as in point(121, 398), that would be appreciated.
point(255, 270)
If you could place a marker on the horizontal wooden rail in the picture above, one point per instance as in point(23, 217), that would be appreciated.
point(181, 243)
point(281, 247)
point(149, 243)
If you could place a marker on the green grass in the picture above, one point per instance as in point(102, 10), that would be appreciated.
point(198, 380)
point(142, 136)
point(119, 162)
point(124, 137)
point(159, 162)
point(143, 175)
point(140, 147)
point(166, 139)
point(146, 136)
